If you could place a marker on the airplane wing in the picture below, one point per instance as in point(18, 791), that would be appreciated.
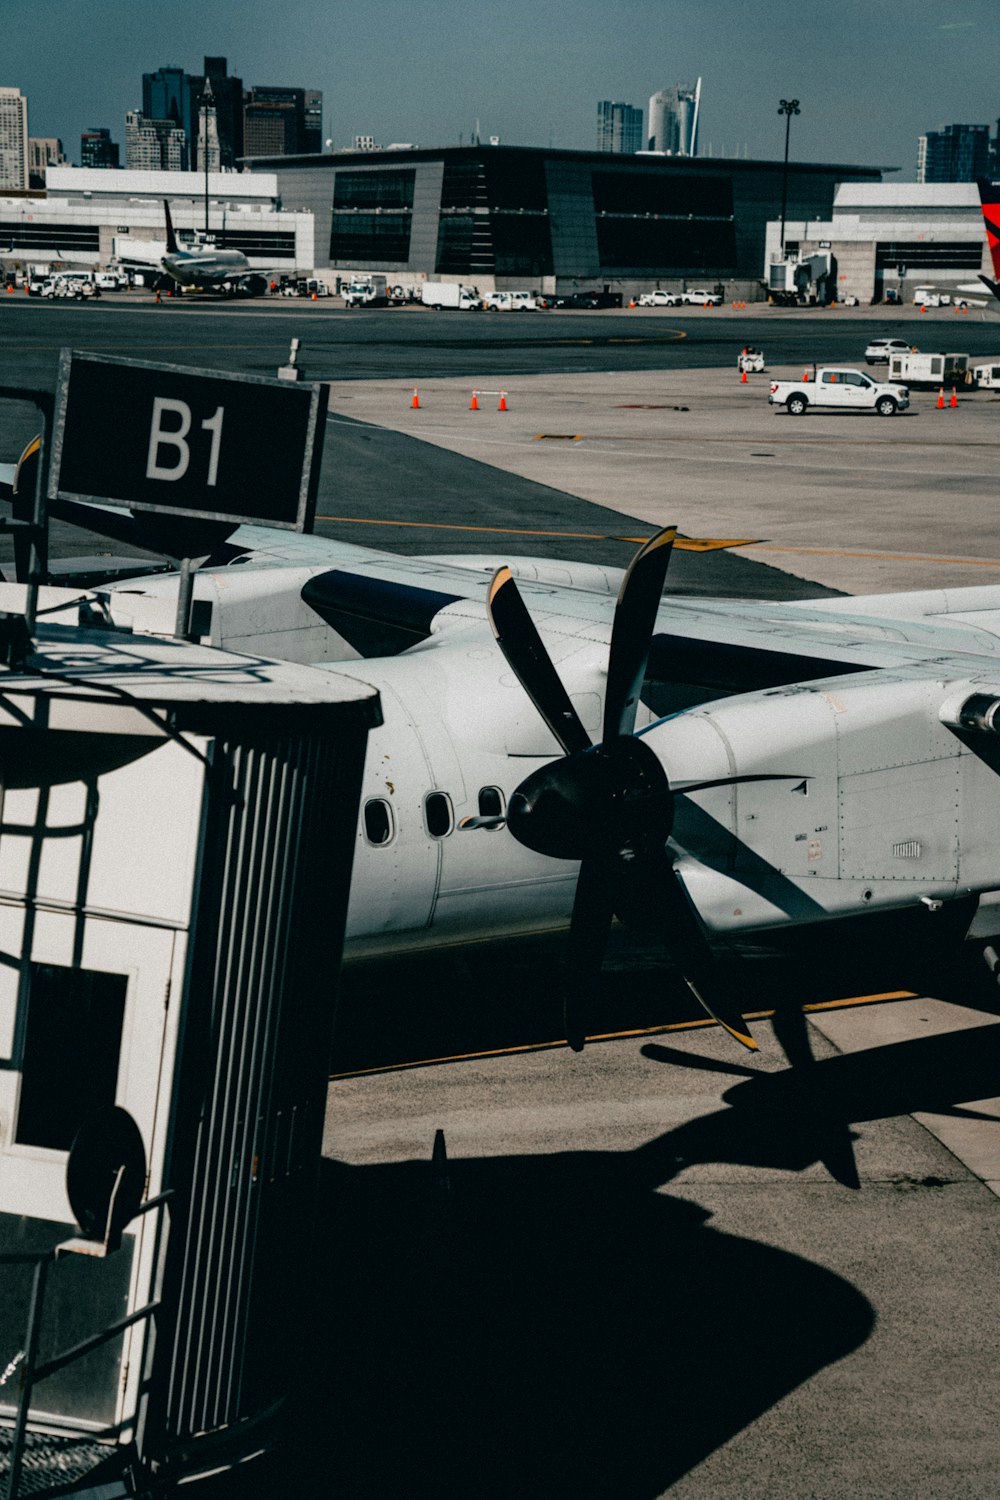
point(381, 603)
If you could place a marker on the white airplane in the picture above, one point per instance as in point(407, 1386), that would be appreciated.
point(205, 266)
point(815, 777)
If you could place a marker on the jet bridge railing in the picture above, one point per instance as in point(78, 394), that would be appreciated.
point(25, 1362)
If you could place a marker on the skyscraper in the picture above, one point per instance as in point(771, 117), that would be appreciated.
point(154, 145)
point(13, 140)
point(97, 149)
point(955, 153)
point(43, 151)
point(619, 127)
point(274, 121)
point(208, 131)
point(228, 94)
point(672, 126)
point(312, 131)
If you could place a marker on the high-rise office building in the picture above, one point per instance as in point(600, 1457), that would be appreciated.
point(312, 130)
point(154, 145)
point(619, 127)
point(43, 151)
point(955, 153)
point(166, 95)
point(274, 121)
point(97, 149)
point(13, 140)
point(672, 126)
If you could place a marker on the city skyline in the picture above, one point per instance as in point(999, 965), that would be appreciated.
point(874, 86)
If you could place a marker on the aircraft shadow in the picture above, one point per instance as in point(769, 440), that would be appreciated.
point(559, 1326)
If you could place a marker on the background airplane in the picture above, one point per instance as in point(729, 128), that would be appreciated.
point(207, 266)
point(989, 196)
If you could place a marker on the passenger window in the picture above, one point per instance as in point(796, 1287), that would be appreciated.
point(379, 826)
point(72, 1042)
point(438, 814)
point(490, 802)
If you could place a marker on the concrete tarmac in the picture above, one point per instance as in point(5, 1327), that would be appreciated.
point(851, 501)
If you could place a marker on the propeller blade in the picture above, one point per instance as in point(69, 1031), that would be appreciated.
point(691, 952)
point(518, 639)
point(589, 928)
point(703, 786)
point(635, 616)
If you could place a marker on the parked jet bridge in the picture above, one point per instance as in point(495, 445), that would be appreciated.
point(176, 837)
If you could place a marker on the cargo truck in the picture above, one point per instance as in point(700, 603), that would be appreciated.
point(441, 294)
point(364, 291)
point(929, 369)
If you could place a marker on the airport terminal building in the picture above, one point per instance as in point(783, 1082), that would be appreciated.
point(894, 237)
point(90, 215)
point(504, 217)
point(513, 217)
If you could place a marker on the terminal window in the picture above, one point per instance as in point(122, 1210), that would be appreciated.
point(72, 1043)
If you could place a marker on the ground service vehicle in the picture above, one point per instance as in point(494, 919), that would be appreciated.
point(986, 376)
point(701, 299)
point(839, 389)
point(880, 350)
point(750, 361)
point(929, 369)
point(450, 294)
point(365, 291)
point(509, 302)
point(659, 299)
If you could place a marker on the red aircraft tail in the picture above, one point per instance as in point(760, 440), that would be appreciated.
point(989, 193)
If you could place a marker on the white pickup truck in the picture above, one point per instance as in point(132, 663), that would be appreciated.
point(839, 389)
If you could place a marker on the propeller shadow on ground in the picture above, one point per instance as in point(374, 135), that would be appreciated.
point(558, 1325)
point(546, 1326)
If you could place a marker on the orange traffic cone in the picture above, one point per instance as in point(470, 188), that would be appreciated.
point(474, 403)
point(632, 303)
point(940, 399)
point(503, 401)
point(743, 377)
point(954, 398)
point(314, 296)
point(415, 403)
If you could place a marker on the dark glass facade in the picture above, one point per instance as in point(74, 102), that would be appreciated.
point(926, 255)
point(372, 215)
point(677, 223)
point(494, 218)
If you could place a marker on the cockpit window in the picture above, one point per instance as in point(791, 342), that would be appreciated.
point(438, 815)
point(379, 824)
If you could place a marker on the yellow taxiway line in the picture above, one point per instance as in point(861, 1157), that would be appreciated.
point(618, 1036)
point(685, 544)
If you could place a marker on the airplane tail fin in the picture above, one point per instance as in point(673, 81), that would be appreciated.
point(171, 237)
point(989, 193)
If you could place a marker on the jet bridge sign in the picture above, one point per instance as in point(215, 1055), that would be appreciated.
point(155, 437)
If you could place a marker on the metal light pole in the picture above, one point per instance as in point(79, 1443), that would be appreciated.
point(207, 100)
point(786, 107)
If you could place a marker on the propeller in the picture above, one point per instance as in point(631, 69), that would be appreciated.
point(610, 805)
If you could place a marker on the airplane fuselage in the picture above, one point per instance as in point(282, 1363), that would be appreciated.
point(207, 267)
